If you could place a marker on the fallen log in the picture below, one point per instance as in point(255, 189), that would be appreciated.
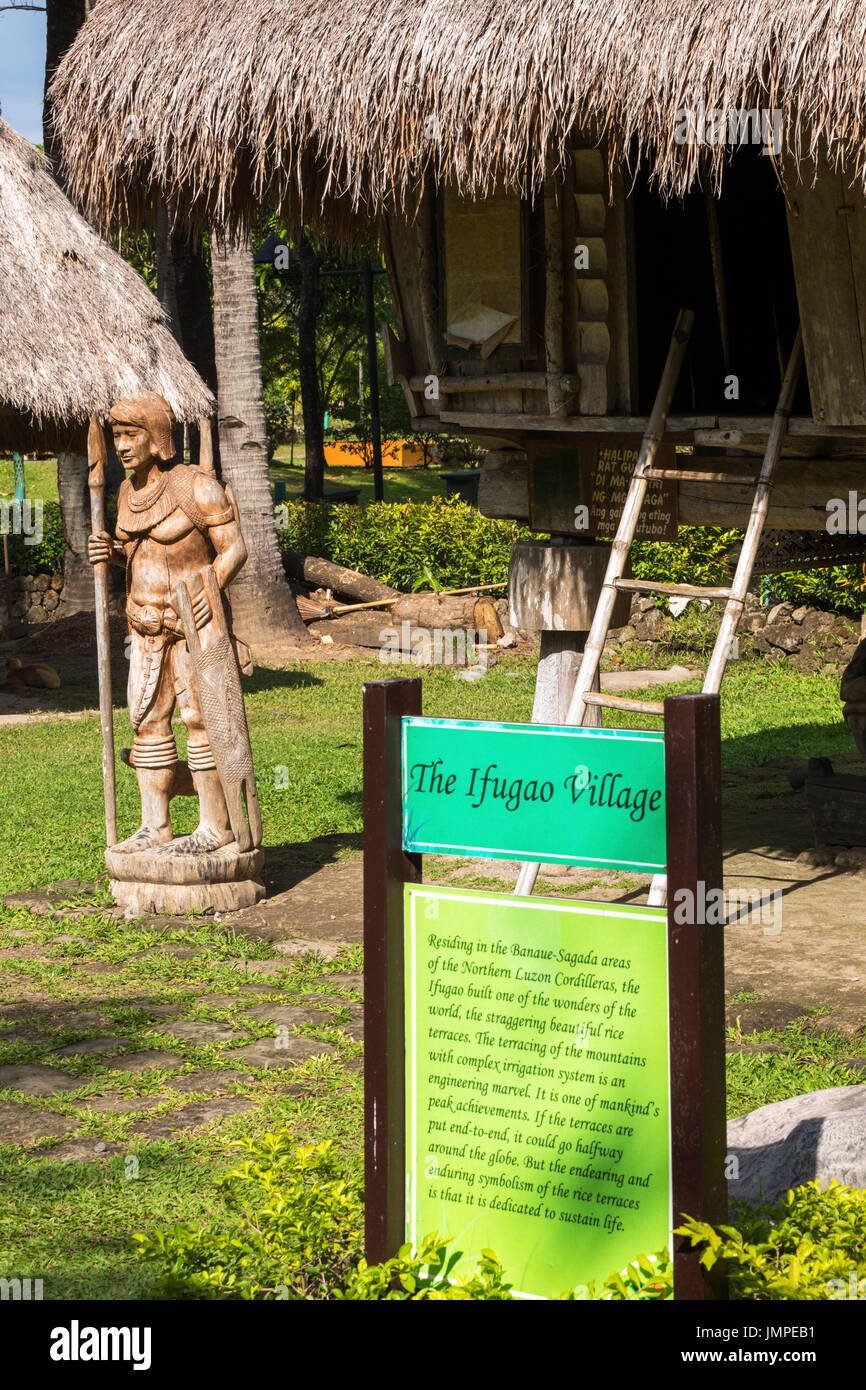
point(434, 610)
point(356, 629)
point(324, 574)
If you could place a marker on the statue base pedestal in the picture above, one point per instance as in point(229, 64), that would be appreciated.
point(159, 881)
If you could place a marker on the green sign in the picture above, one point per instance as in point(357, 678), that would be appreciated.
point(537, 1082)
point(540, 792)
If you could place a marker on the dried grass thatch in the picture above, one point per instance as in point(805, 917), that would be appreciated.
point(224, 103)
point(80, 327)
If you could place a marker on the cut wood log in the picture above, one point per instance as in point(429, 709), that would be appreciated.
point(356, 629)
point(435, 610)
point(326, 575)
point(487, 620)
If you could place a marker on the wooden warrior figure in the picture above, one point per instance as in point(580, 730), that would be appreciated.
point(178, 536)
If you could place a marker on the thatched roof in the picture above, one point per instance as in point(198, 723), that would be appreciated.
point(223, 102)
point(80, 327)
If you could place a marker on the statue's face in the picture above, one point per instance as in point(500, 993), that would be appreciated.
point(134, 445)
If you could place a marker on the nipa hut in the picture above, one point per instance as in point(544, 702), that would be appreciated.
point(554, 180)
point(80, 327)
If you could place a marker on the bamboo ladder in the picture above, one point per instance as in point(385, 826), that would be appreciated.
point(583, 697)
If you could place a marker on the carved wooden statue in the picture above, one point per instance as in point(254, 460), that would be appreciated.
point(179, 539)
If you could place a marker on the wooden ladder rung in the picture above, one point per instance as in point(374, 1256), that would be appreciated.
point(694, 475)
point(593, 697)
point(640, 586)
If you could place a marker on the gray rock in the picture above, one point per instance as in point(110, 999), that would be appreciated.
point(343, 980)
point(300, 946)
point(289, 1015)
point(86, 1150)
point(215, 1079)
point(780, 612)
point(816, 1137)
point(143, 1061)
point(782, 637)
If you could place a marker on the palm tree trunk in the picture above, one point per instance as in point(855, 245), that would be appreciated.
point(63, 20)
point(265, 612)
point(74, 496)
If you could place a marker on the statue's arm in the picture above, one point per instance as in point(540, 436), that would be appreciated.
point(225, 534)
point(231, 552)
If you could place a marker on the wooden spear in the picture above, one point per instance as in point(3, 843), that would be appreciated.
point(97, 462)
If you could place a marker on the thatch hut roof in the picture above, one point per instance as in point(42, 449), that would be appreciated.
point(80, 327)
point(228, 102)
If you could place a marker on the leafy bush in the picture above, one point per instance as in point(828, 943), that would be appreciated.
point(47, 556)
point(293, 1230)
point(812, 1247)
point(426, 1276)
point(396, 541)
point(649, 1278)
point(698, 556)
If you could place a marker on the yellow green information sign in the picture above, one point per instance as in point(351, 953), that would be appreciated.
point(540, 792)
point(537, 1082)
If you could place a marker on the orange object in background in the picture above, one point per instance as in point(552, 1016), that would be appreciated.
point(396, 453)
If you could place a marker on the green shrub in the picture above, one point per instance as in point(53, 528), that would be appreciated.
point(426, 1276)
point(396, 542)
point(47, 556)
point(292, 1229)
point(812, 1247)
point(699, 556)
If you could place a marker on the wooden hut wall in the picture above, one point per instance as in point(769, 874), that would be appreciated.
point(789, 251)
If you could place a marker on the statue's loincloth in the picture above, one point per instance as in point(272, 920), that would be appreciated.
point(154, 660)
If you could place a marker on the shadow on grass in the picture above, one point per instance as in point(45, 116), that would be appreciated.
point(289, 864)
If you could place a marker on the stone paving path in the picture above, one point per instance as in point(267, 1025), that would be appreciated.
point(156, 1038)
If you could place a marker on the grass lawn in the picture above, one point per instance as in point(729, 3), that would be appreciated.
point(92, 976)
point(400, 484)
point(40, 478)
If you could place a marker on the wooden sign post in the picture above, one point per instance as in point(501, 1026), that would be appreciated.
point(655, 982)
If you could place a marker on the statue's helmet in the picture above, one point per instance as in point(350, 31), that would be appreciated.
point(150, 412)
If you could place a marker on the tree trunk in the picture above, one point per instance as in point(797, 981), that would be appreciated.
point(265, 612)
point(308, 308)
point(63, 18)
point(75, 512)
point(72, 489)
point(166, 293)
point(192, 286)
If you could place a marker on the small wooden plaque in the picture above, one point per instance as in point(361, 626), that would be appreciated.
point(580, 488)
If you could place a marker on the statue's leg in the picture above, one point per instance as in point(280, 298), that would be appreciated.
point(154, 757)
point(214, 829)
